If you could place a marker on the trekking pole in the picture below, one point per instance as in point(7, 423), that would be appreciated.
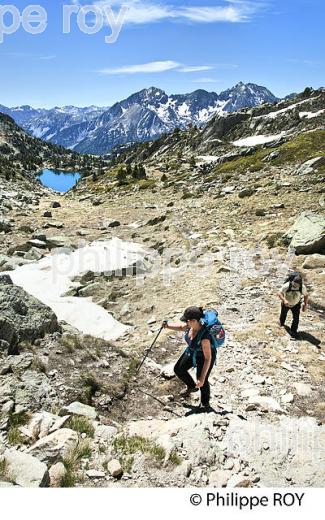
point(150, 349)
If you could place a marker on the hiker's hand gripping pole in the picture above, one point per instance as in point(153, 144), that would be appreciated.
point(152, 345)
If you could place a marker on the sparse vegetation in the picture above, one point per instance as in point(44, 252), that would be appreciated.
point(15, 421)
point(81, 425)
point(129, 445)
point(72, 463)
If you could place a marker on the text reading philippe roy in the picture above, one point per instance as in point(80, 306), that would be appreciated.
point(242, 501)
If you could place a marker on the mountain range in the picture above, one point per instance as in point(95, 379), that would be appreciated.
point(143, 116)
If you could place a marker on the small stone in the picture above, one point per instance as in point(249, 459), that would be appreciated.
point(93, 473)
point(56, 204)
point(288, 367)
point(114, 468)
point(287, 398)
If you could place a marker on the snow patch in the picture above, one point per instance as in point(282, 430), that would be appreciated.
point(257, 139)
point(50, 278)
point(208, 158)
point(310, 115)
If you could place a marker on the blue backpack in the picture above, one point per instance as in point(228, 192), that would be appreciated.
point(211, 323)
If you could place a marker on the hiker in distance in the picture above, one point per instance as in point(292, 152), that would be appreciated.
point(291, 295)
point(203, 335)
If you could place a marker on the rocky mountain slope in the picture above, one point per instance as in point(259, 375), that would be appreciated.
point(22, 155)
point(220, 232)
point(143, 116)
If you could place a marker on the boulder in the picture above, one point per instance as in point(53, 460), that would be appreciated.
point(314, 262)
point(23, 316)
point(57, 472)
point(90, 289)
point(25, 470)
point(77, 408)
point(8, 335)
point(29, 388)
point(56, 204)
point(246, 192)
point(5, 225)
point(307, 235)
point(58, 241)
point(47, 214)
point(43, 423)
point(34, 254)
point(35, 242)
point(309, 166)
point(54, 446)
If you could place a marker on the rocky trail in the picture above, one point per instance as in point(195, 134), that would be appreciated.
point(88, 277)
point(266, 425)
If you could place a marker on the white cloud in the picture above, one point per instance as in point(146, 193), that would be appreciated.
point(149, 11)
point(153, 66)
point(199, 68)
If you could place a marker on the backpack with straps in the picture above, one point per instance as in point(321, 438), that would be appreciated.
point(212, 325)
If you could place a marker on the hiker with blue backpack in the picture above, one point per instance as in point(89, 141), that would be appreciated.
point(203, 335)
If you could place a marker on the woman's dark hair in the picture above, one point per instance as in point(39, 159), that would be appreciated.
point(193, 313)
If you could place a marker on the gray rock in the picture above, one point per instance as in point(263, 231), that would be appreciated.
point(8, 335)
point(5, 279)
point(57, 472)
point(90, 289)
point(265, 402)
point(55, 224)
point(302, 389)
point(219, 478)
point(246, 192)
point(94, 473)
point(309, 166)
point(5, 225)
point(56, 204)
point(47, 214)
point(23, 316)
point(307, 235)
point(156, 220)
point(314, 262)
point(58, 241)
point(77, 408)
point(54, 446)
point(26, 470)
point(40, 244)
point(34, 254)
point(114, 468)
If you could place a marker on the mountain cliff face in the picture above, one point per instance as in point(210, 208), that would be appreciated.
point(143, 116)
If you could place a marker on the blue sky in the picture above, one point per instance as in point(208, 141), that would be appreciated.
point(176, 45)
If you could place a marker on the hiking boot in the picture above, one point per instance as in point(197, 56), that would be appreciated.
point(187, 391)
point(204, 407)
